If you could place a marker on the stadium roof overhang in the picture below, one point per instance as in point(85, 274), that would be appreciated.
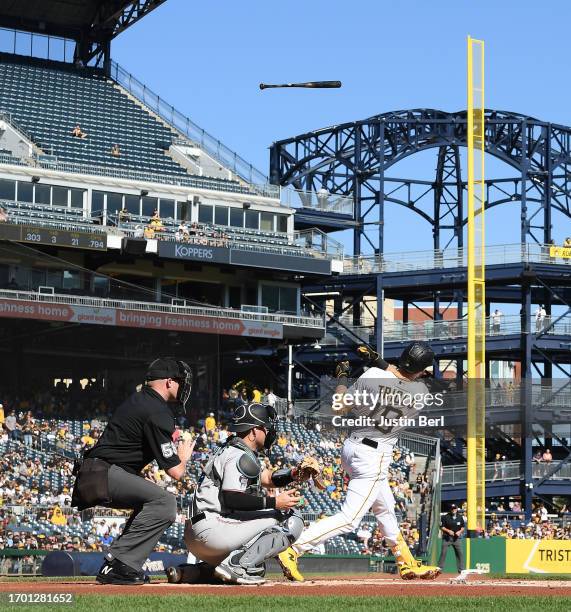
point(91, 23)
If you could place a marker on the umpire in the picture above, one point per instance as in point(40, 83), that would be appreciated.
point(141, 429)
point(452, 527)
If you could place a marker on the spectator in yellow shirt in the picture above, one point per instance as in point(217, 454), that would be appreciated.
point(87, 440)
point(1, 416)
point(209, 422)
point(257, 395)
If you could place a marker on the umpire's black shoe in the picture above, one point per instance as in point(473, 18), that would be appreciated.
point(116, 572)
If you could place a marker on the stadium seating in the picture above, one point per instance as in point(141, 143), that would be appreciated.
point(47, 100)
point(46, 215)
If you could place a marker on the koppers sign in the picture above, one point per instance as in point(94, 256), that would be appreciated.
point(46, 311)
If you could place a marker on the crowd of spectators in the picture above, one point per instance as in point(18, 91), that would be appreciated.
point(27, 479)
point(24, 480)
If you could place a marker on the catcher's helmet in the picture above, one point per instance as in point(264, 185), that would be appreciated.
point(252, 415)
point(416, 357)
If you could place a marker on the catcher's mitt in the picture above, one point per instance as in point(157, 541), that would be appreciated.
point(309, 469)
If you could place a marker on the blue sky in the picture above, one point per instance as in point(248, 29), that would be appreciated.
point(207, 59)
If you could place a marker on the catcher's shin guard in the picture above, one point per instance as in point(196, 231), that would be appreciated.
point(242, 566)
point(288, 562)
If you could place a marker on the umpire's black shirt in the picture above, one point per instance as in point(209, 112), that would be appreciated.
point(140, 430)
point(454, 523)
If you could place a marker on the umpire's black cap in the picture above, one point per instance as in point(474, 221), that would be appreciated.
point(168, 367)
point(164, 367)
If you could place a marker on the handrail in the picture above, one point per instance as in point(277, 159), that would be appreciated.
point(228, 158)
point(292, 251)
point(499, 471)
point(218, 312)
point(7, 116)
point(458, 328)
point(181, 180)
point(322, 201)
point(452, 258)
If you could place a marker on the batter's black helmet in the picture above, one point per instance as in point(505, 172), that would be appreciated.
point(252, 415)
point(416, 357)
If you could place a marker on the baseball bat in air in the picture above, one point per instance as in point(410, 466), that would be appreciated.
point(308, 85)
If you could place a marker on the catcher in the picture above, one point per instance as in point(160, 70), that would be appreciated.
point(235, 527)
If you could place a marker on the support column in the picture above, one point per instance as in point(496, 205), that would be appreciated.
point(357, 231)
point(524, 170)
point(548, 183)
point(379, 324)
point(526, 490)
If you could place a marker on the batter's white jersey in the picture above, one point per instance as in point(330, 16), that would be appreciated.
point(385, 404)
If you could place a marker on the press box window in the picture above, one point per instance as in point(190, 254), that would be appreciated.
point(97, 201)
point(184, 211)
point(59, 196)
point(221, 215)
point(252, 219)
point(267, 222)
point(205, 213)
point(149, 206)
point(276, 298)
point(167, 209)
point(71, 279)
point(25, 192)
point(7, 190)
point(236, 217)
point(114, 203)
point(281, 223)
point(132, 204)
point(77, 198)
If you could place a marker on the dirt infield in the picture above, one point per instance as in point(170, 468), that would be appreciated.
point(350, 586)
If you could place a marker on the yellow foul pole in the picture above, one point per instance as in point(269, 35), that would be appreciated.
point(476, 294)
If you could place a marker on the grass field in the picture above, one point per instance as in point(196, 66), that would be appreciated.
point(210, 603)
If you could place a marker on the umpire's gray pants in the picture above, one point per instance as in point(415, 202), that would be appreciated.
point(457, 546)
point(212, 539)
point(154, 510)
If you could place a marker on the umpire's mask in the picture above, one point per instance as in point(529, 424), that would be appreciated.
point(180, 371)
point(252, 415)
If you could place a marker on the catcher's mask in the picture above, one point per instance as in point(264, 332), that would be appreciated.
point(180, 371)
point(252, 415)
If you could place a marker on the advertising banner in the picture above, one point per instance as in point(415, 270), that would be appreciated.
point(563, 252)
point(538, 556)
point(121, 317)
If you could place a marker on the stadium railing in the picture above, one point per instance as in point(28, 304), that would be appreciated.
point(453, 258)
point(503, 470)
point(212, 146)
point(313, 321)
point(397, 331)
point(147, 177)
point(292, 251)
point(8, 118)
point(321, 201)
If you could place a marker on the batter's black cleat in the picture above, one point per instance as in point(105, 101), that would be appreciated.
point(174, 575)
point(116, 572)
